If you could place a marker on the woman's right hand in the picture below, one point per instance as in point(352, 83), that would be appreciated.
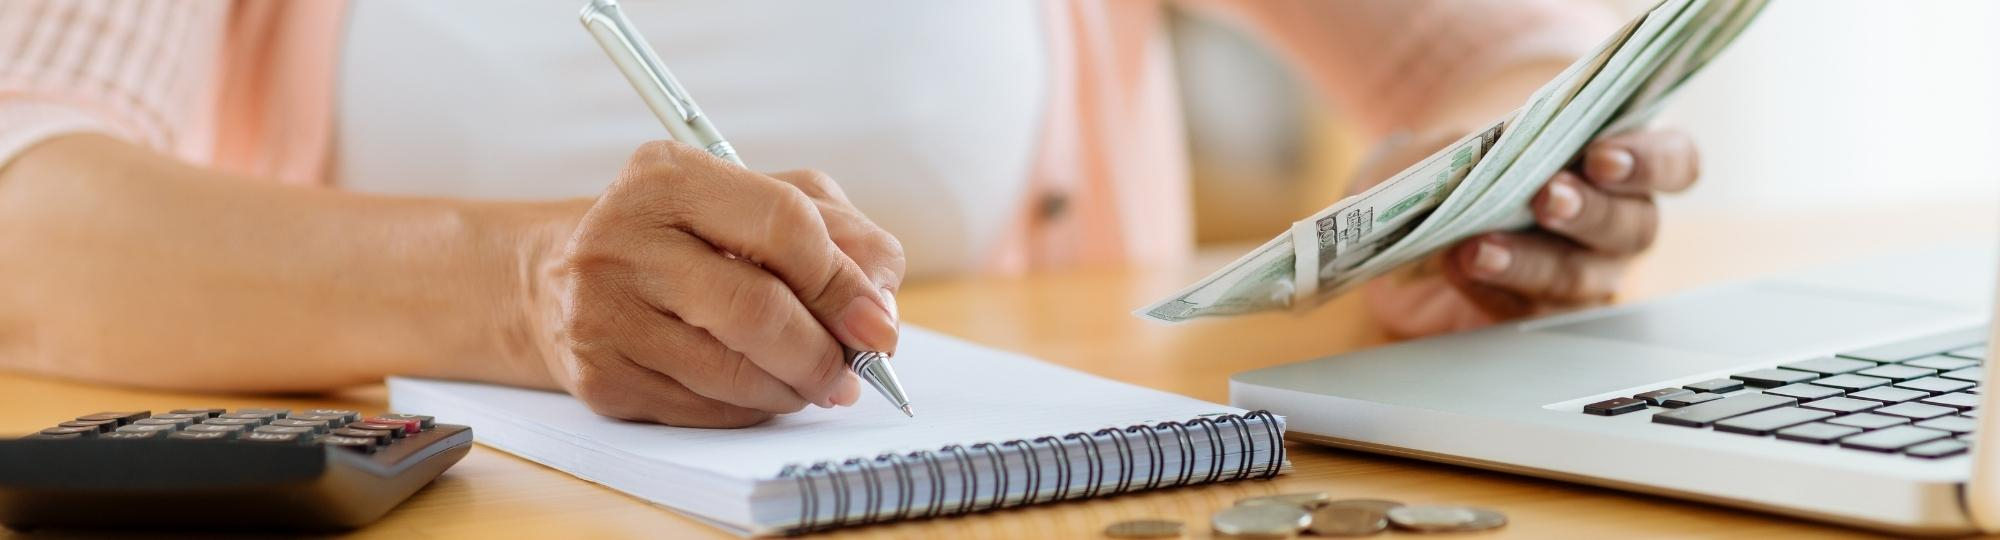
point(696, 293)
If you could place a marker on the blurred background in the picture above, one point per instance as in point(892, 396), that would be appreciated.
point(1883, 111)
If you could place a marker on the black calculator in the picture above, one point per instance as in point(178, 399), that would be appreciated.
point(264, 469)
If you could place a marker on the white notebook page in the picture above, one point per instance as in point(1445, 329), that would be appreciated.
point(962, 394)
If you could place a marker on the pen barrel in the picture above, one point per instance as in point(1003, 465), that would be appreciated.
point(664, 95)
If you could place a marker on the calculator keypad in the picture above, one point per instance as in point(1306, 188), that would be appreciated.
point(337, 428)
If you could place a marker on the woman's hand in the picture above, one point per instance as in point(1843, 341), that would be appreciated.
point(696, 293)
point(1592, 222)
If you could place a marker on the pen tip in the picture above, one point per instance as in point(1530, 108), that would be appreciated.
point(908, 412)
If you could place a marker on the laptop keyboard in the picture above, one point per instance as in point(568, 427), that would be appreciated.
point(1917, 398)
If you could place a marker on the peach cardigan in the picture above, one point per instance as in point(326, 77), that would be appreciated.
point(246, 86)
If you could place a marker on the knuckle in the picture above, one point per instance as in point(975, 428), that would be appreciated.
point(757, 311)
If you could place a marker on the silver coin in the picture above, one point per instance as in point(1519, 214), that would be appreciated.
point(1379, 505)
point(1145, 528)
point(1261, 520)
point(1306, 501)
point(1446, 518)
point(1347, 521)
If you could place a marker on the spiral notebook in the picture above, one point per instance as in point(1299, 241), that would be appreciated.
point(993, 430)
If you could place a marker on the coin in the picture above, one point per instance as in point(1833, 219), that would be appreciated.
point(1379, 505)
point(1145, 528)
point(1261, 520)
point(1445, 518)
point(1347, 521)
point(1306, 501)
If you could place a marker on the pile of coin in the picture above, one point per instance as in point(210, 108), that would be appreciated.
point(1317, 514)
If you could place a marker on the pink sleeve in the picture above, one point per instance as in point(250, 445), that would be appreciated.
point(1385, 60)
point(140, 71)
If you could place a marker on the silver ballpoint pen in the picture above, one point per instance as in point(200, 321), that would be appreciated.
point(685, 123)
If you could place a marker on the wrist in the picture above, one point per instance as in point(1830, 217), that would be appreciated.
point(526, 245)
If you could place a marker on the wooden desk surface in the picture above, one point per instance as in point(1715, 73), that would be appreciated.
point(1080, 320)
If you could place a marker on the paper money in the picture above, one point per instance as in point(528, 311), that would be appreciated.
point(1480, 183)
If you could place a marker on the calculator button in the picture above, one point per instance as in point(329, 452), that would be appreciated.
point(102, 426)
point(412, 425)
point(202, 436)
point(423, 422)
point(261, 418)
point(318, 426)
point(396, 430)
point(62, 436)
point(190, 417)
point(377, 435)
point(249, 422)
point(132, 428)
point(121, 417)
point(357, 444)
point(275, 438)
point(302, 431)
point(77, 431)
point(273, 413)
point(210, 413)
point(332, 420)
point(344, 414)
point(1936, 385)
point(230, 430)
point(177, 423)
point(132, 435)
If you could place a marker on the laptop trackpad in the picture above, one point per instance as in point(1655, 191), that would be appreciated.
point(1762, 318)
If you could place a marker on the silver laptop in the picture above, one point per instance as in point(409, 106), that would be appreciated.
point(1847, 394)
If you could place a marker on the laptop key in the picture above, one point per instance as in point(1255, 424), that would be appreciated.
point(1955, 400)
point(1767, 378)
point(1842, 405)
point(1936, 385)
point(1954, 424)
point(1892, 438)
point(1765, 422)
point(1829, 365)
point(1805, 391)
point(1941, 363)
point(1887, 394)
point(1851, 382)
point(1690, 399)
point(1924, 346)
point(1974, 374)
point(1869, 420)
point(1816, 432)
point(1717, 386)
point(1655, 397)
point(1615, 406)
point(1703, 414)
point(1915, 410)
point(1937, 449)
point(1897, 372)
point(1975, 352)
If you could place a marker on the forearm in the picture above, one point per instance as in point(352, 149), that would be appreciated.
point(128, 267)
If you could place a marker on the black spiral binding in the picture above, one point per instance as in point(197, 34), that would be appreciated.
point(876, 506)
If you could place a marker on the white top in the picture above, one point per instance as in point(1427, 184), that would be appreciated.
point(927, 113)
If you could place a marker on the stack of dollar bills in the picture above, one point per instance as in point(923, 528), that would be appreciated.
point(1480, 183)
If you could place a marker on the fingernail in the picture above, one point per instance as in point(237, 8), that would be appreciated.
point(848, 392)
point(1564, 202)
point(1491, 260)
point(869, 322)
point(889, 304)
point(1611, 166)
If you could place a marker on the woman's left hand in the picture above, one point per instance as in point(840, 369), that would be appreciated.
point(1592, 222)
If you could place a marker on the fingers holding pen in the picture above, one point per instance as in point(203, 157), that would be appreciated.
point(776, 225)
